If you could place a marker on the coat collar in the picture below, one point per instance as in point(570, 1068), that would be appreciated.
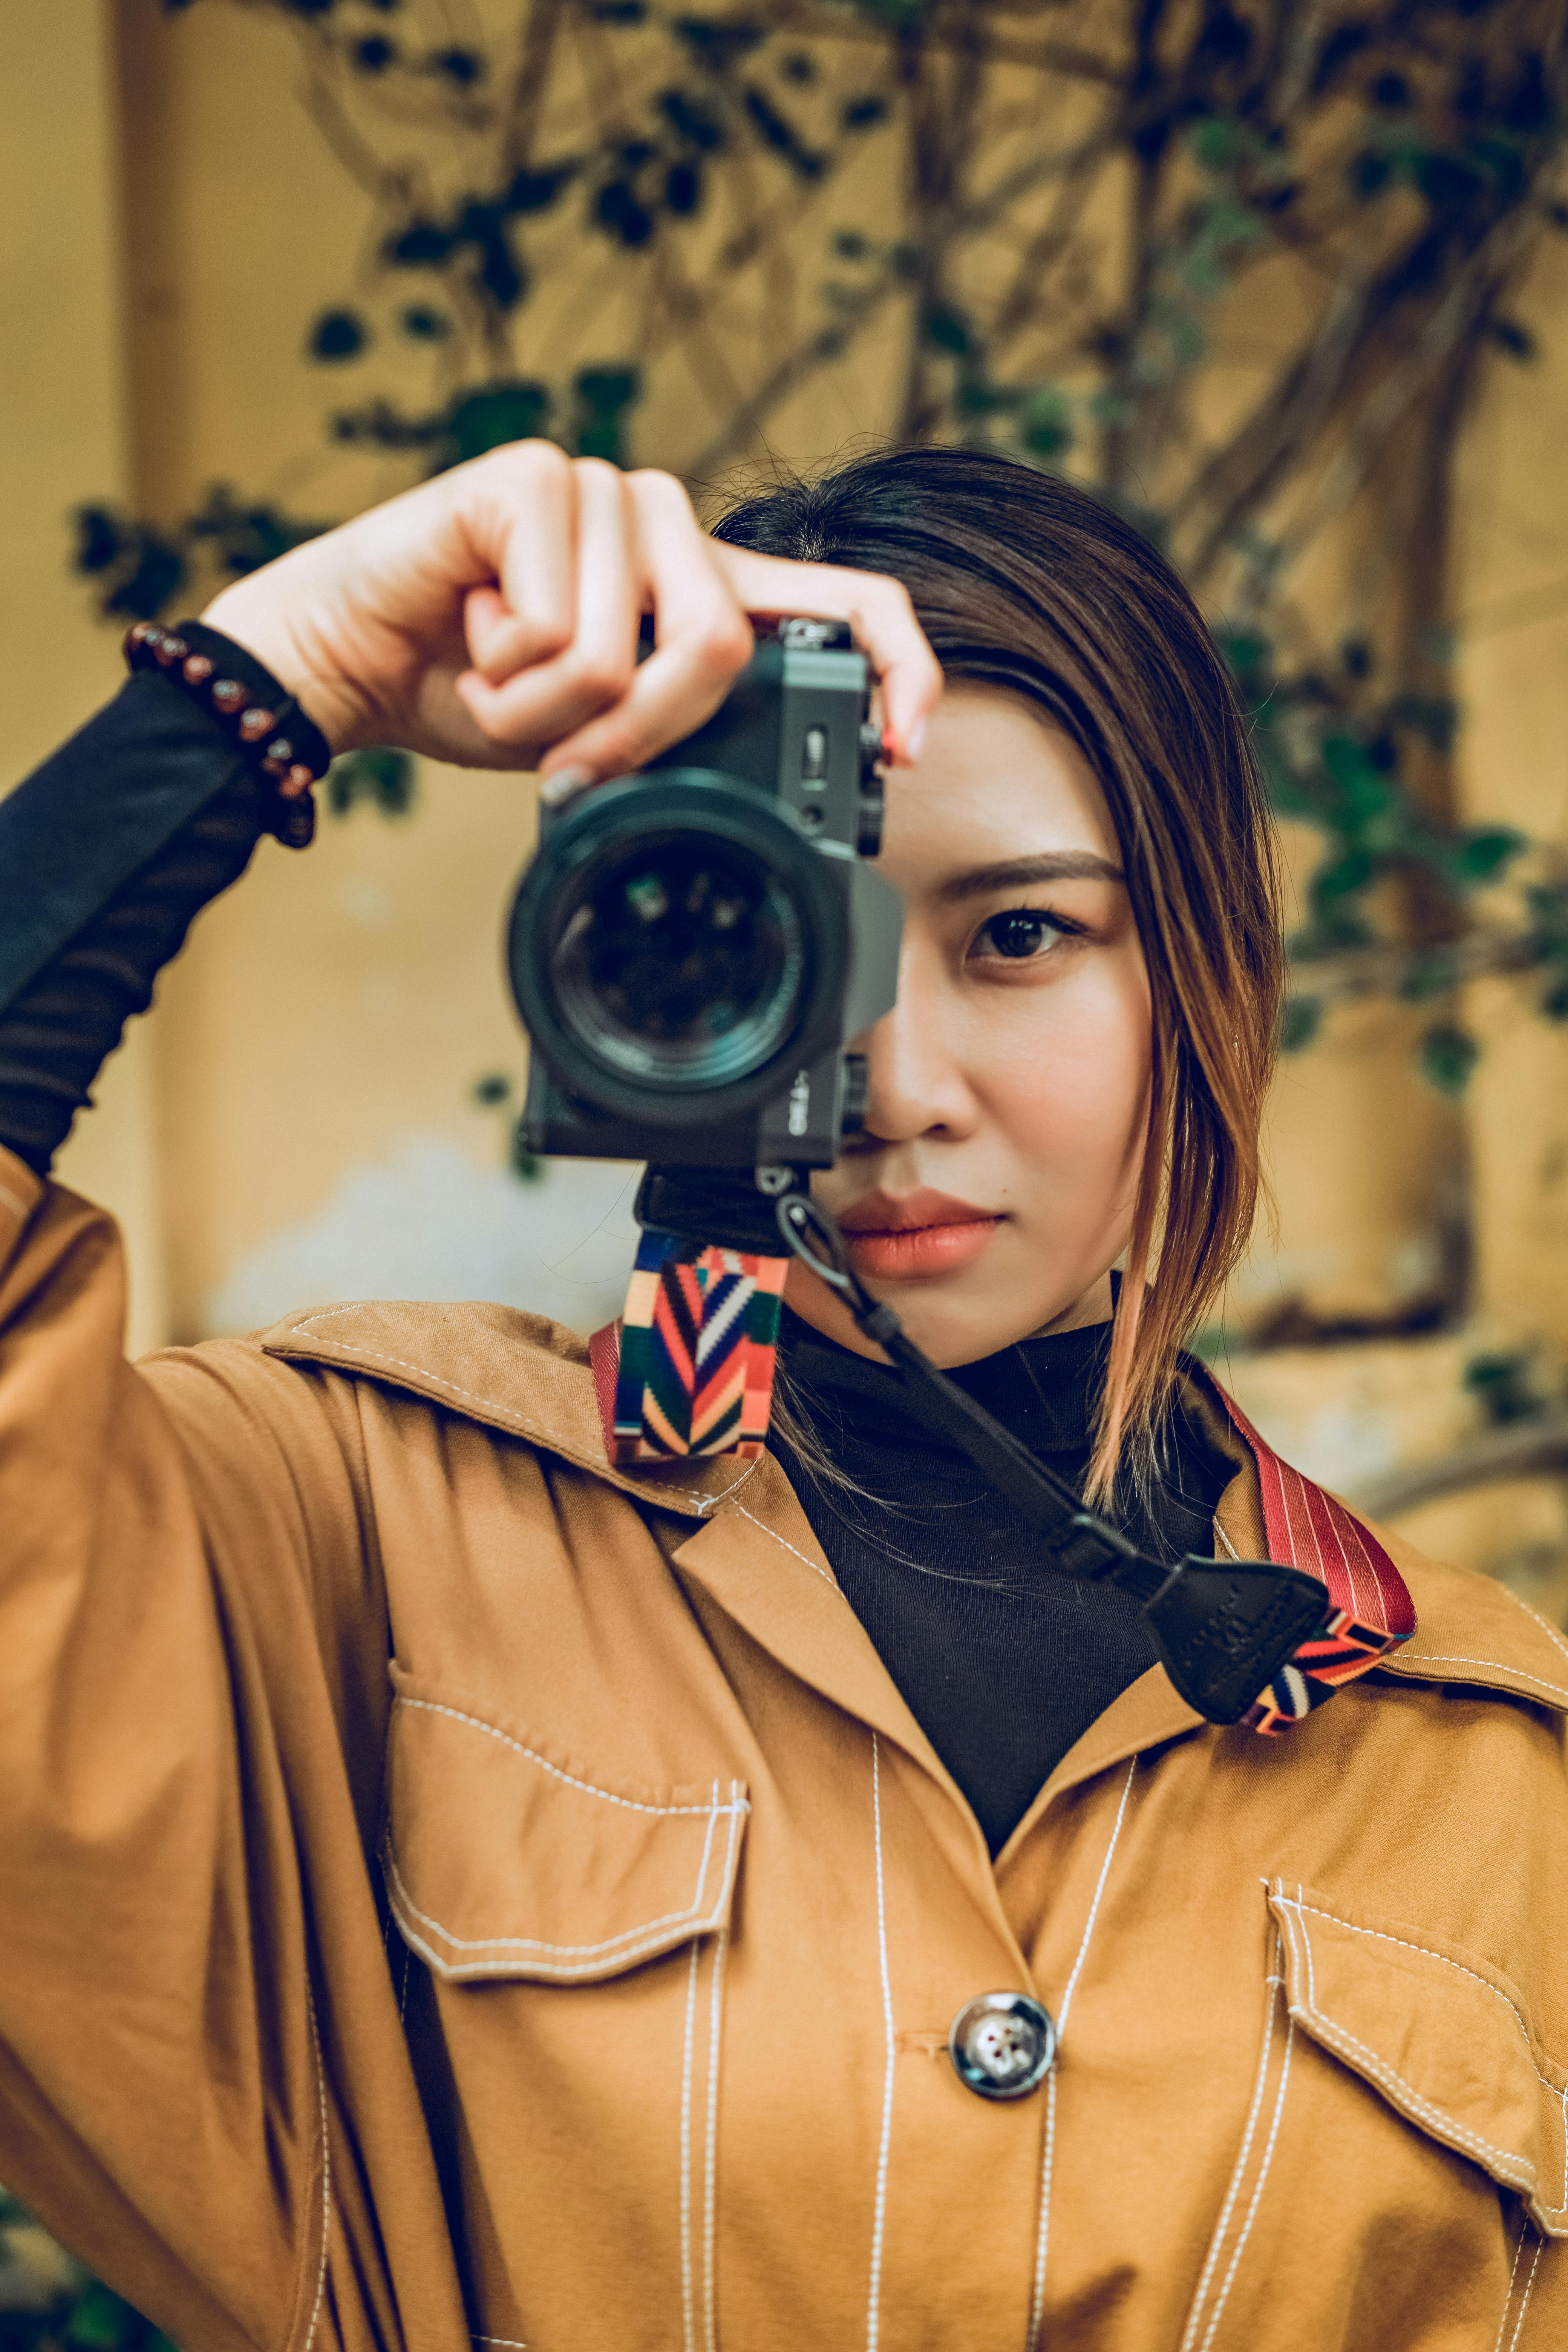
point(511, 1370)
point(530, 1378)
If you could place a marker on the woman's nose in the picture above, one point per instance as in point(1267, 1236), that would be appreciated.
point(916, 1082)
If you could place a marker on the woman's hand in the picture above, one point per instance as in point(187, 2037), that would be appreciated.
point(490, 617)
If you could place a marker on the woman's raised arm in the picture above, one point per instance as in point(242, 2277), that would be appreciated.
point(192, 1633)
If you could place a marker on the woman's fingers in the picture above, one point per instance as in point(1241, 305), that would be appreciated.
point(540, 703)
point(530, 615)
point(880, 611)
point(578, 550)
point(701, 638)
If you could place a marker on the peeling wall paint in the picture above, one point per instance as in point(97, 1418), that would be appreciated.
point(425, 1221)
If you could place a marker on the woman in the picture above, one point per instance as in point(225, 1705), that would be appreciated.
point(457, 1888)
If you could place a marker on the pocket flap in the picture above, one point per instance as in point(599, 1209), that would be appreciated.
point(502, 1861)
point(1444, 2036)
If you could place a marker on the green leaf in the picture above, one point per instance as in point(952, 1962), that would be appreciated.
point(1230, 222)
point(1204, 271)
point(1428, 975)
point(1447, 1055)
point(1299, 1022)
point(1347, 762)
point(491, 418)
point(383, 778)
point(1502, 1386)
point(1515, 339)
point(1342, 876)
point(1109, 408)
point(424, 325)
point(947, 330)
point(494, 1087)
point(101, 2322)
point(1045, 426)
point(1214, 144)
point(1246, 650)
point(605, 391)
point(1483, 853)
point(524, 1166)
point(338, 335)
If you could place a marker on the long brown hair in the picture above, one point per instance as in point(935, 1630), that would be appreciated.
point(1024, 582)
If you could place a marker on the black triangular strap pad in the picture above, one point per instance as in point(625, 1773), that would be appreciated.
point(1224, 1629)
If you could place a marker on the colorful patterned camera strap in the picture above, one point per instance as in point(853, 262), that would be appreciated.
point(697, 1344)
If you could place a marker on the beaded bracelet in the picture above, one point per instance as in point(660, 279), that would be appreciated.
point(286, 748)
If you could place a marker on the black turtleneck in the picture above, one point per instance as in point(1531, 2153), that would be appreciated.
point(1003, 1662)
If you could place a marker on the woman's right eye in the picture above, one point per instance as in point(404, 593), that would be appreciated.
point(1021, 932)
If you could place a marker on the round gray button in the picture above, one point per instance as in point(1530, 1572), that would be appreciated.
point(1002, 2044)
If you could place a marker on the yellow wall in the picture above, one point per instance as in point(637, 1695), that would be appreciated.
point(62, 440)
point(1514, 683)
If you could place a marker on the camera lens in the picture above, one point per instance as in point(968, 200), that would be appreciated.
point(679, 948)
point(681, 961)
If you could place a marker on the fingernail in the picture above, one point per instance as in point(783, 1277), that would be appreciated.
point(563, 784)
point(914, 741)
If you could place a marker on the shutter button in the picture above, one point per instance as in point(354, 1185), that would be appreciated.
point(1002, 2046)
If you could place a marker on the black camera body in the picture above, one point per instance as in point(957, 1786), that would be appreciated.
point(692, 947)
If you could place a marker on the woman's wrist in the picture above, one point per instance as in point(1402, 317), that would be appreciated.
point(251, 613)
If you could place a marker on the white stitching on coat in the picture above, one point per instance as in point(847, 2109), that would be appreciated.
point(1246, 2229)
point(326, 2167)
point(791, 1548)
point(1420, 1658)
point(1275, 1985)
point(1426, 1953)
point(874, 2312)
point(711, 2156)
point(1524, 2299)
point(14, 1201)
point(551, 1969)
point(1513, 2268)
point(1042, 2227)
point(1547, 1627)
point(688, 2338)
point(539, 1943)
point(434, 1706)
point(1459, 2130)
point(547, 1969)
point(1335, 2035)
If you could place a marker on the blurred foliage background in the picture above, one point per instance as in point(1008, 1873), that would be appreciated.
point(1403, 161)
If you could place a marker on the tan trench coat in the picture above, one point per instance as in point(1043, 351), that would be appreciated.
point(643, 2045)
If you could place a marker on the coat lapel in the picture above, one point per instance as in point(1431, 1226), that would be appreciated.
point(757, 1558)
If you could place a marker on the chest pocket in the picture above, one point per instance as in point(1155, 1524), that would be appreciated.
point(1444, 2037)
point(505, 1862)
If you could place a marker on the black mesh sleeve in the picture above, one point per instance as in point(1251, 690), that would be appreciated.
point(106, 854)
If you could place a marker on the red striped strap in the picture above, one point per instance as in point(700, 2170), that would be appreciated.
point(1307, 1528)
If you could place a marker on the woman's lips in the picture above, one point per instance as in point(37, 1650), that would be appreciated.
point(924, 1235)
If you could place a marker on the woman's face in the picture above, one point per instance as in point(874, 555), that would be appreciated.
point(992, 1187)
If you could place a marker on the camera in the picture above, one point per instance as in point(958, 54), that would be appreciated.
point(692, 946)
